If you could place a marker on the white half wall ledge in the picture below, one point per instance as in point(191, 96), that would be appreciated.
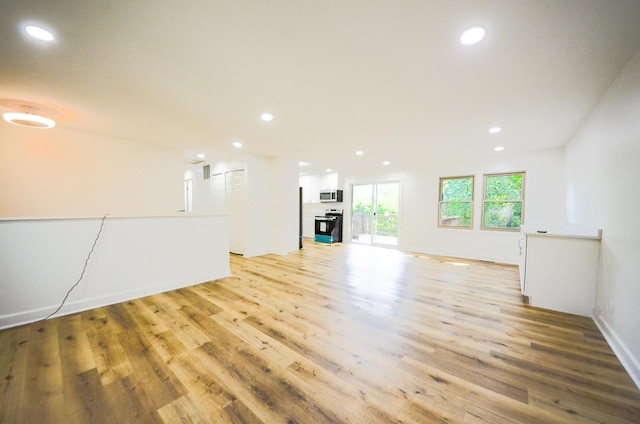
point(42, 258)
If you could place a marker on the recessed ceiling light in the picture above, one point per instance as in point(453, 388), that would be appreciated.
point(499, 148)
point(328, 170)
point(386, 162)
point(495, 130)
point(303, 163)
point(472, 36)
point(200, 155)
point(237, 144)
point(359, 153)
point(266, 117)
point(28, 120)
point(39, 33)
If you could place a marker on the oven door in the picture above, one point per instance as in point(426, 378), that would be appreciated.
point(324, 225)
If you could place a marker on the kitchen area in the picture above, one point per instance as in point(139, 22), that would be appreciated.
point(322, 205)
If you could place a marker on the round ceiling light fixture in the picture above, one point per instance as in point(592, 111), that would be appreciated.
point(28, 120)
point(495, 130)
point(472, 36)
point(39, 33)
point(266, 117)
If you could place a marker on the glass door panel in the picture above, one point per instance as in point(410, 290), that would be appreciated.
point(374, 218)
point(362, 213)
point(386, 213)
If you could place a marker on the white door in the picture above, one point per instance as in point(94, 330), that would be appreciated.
point(236, 202)
point(188, 195)
point(218, 194)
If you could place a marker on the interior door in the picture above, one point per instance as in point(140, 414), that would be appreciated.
point(188, 195)
point(374, 213)
point(236, 201)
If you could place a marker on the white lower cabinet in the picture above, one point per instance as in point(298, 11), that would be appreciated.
point(559, 270)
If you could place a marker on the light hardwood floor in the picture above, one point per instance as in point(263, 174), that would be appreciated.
point(334, 333)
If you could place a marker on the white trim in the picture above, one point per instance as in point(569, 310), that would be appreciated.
point(132, 257)
point(624, 354)
point(34, 315)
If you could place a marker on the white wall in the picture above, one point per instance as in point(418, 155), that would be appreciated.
point(418, 225)
point(285, 189)
point(603, 191)
point(58, 172)
point(272, 201)
point(262, 207)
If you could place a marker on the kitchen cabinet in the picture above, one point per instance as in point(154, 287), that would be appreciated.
point(559, 269)
point(313, 184)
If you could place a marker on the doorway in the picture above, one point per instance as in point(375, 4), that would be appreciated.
point(374, 213)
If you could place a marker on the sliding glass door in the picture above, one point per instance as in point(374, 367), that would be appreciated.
point(374, 213)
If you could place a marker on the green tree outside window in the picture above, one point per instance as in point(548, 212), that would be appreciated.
point(503, 201)
point(456, 202)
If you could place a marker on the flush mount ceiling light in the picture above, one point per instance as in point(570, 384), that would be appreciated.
point(472, 36)
point(495, 130)
point(359, 153)
point(237, 144)
point(39, 33)
point(499, 148)
point(28, 120)
point(266, 117)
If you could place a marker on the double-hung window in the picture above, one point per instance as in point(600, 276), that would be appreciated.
point(503, 203)
point(456, 202)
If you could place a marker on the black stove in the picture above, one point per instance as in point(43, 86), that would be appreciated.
point(329, 226)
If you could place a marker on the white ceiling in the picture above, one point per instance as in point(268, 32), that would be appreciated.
point(387, 77)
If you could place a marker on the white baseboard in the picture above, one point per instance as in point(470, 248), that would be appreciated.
point(624, 354)
point(34, 315)
point(485, 258)
point(133, 257)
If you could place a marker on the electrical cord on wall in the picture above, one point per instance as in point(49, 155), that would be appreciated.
point(84, 268)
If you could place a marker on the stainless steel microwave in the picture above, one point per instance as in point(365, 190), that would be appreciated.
point(330, 196)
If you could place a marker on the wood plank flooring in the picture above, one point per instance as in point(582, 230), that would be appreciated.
point(331, 334)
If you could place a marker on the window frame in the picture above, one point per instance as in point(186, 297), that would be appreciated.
point(470, 202)
point(521, 201)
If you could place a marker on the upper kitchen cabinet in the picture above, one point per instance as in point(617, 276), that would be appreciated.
point(312, 184)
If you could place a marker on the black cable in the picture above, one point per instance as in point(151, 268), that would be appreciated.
point(86, 262)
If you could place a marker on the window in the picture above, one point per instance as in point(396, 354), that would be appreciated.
point(456, 202)
point(503, 201)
